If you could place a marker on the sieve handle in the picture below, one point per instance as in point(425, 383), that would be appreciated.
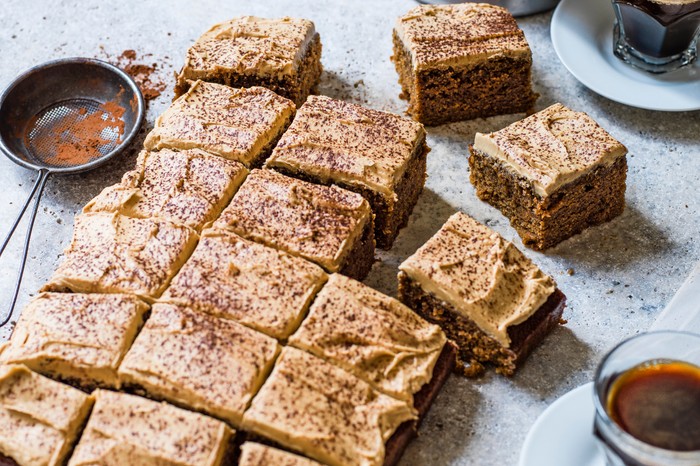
point(37, 190)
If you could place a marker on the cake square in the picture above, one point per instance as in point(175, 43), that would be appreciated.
point(487, 296)
point(463, 61)
point(257, 454)
point(76, 338)
point(127, 429)
point(241, 124)
point(189, 187)
point(377, 154)
point(281, 54)
point(372, 336)
point(198, 361)
point(345, 422)
point(263, 288)
point(111, 253)
point(553, 174)
point(40, 419)
point(327, 225)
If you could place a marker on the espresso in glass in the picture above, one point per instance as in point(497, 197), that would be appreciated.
point(657, 35)
point(659, 404)
point(647, 401)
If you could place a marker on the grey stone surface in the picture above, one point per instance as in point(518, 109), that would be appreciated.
point(624, 272)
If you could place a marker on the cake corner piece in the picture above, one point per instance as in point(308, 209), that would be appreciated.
point(460, 62)
point(281, 54)
point(553, 174)
point(76, 338)
point(492, 301)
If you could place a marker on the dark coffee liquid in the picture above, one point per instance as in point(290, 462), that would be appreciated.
point(659, 29)
point(665, 12)
point(659, 404)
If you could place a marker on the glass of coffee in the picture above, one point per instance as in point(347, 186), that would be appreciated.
point(657, 35)
point(647, 401)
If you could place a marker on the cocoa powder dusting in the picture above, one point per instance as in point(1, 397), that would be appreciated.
point(79, 136)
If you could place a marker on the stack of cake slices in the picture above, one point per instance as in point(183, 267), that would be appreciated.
point(208, 309)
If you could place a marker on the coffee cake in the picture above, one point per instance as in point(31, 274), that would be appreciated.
point(552, 174)
point(241, 124)
point(372, 336)
point(40, 419)
point(260, 287)
point(283, 55)
point(345, 422)
point(189, 187)
point(464, 61)
point(128, 430)
point(198, 361)
point(377, 154)
point(488, 297)
point(327, 225)
point(77, 338)
point(111, 253)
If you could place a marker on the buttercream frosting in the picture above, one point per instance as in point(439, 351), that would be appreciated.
point(39, 418)
point(552, 148)
point(189, 187)
point(199, 361)
point(126, 429)
point(249, 45)
point(481, 275)
point(442, 36)
point(318, 223)
point(256, 454)
point(338, 141)
point(318, 409)
point(111, 253)
point(236, 124)
point(371, 335)
point(260, 287)
point(76, 337)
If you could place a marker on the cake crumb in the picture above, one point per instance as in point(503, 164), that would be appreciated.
point(570, 271)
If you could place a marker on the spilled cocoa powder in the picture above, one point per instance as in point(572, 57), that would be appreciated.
point(151, 87)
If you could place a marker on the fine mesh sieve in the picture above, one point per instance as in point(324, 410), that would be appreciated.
point(65, 116)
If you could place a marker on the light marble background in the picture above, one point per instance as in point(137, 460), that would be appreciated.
point(624, 272)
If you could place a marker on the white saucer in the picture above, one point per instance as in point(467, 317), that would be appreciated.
point(582, 36)
point(563, 434)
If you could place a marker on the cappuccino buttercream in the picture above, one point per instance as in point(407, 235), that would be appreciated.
point(126, 429)
point(371, 335)
point(318, 409)
point(442, 36)
point(552, 148)
point(76, 337)
point(481, 275)
point(341, 142)
point(39, 418)
point(236, 124)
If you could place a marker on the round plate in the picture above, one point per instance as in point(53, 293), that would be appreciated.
point(563, 434)
point(582, 37)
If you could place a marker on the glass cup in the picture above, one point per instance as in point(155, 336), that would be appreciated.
point(621, 448)
point(657, 36)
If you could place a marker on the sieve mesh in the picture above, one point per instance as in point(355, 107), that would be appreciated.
point(59, 126)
